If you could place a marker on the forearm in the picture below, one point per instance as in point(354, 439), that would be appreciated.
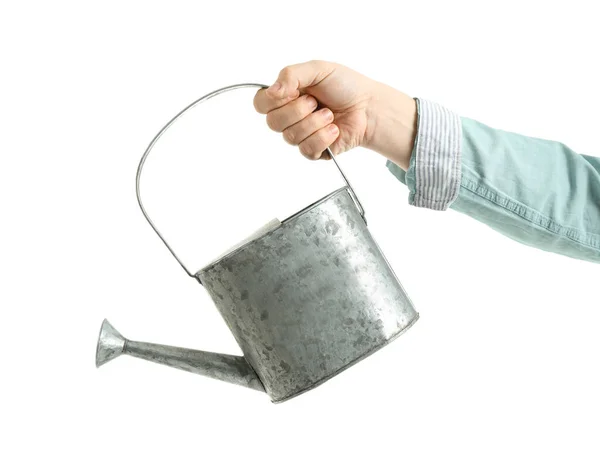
point(537, 192)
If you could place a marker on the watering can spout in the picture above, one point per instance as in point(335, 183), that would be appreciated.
point(228, 368)
point(110, 344)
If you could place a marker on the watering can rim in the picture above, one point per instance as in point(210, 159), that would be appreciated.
point(272, 230)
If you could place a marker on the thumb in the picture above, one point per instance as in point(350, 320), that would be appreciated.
point(294, 78)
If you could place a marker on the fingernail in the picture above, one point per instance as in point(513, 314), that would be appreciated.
point(312, 102)
point(333, 129)
point(327, 114)
point(275, 88)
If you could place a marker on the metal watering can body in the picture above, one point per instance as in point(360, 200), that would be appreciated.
point(306, 299)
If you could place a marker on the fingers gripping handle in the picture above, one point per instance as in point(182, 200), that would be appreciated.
point(171, 122)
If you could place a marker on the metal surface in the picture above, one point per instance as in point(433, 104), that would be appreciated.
point(305, 298)
point(168, 125)
point(310, 298)
point(228, 368)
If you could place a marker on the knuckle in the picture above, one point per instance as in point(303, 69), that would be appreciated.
point(286, 72)
point(256, 103)
point(272, 122)
point(309, 150)
point(320, 65)
point(300, 108)
point(289, 136)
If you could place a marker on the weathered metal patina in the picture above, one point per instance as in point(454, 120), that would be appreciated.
point(305, 299)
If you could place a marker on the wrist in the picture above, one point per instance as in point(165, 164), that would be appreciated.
point(392, 125)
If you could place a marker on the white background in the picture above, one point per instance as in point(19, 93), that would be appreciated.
point(505, 357)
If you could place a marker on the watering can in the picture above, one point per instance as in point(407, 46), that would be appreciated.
point(305, 298)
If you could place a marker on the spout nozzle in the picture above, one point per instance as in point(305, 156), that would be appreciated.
point(229, 368)
point(110, 344)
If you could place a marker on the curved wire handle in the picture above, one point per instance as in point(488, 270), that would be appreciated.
point(171, 122)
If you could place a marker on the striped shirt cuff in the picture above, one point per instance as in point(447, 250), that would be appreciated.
point(435, 164)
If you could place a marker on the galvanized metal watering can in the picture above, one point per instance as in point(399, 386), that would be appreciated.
point(305, 298)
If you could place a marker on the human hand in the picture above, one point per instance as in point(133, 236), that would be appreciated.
point(353, 111)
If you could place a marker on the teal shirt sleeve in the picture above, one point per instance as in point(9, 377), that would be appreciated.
point(535, 191)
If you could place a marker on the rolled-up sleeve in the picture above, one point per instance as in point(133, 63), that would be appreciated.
point(433, 177)
point(535, 191)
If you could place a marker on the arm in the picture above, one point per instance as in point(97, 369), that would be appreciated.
point(537, 192)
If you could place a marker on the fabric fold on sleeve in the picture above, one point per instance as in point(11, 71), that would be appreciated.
point(434, 173)
point(537, 192)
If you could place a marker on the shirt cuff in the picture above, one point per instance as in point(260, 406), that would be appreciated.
point(434, 173)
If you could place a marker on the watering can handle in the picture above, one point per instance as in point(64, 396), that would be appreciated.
point(171, 122)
